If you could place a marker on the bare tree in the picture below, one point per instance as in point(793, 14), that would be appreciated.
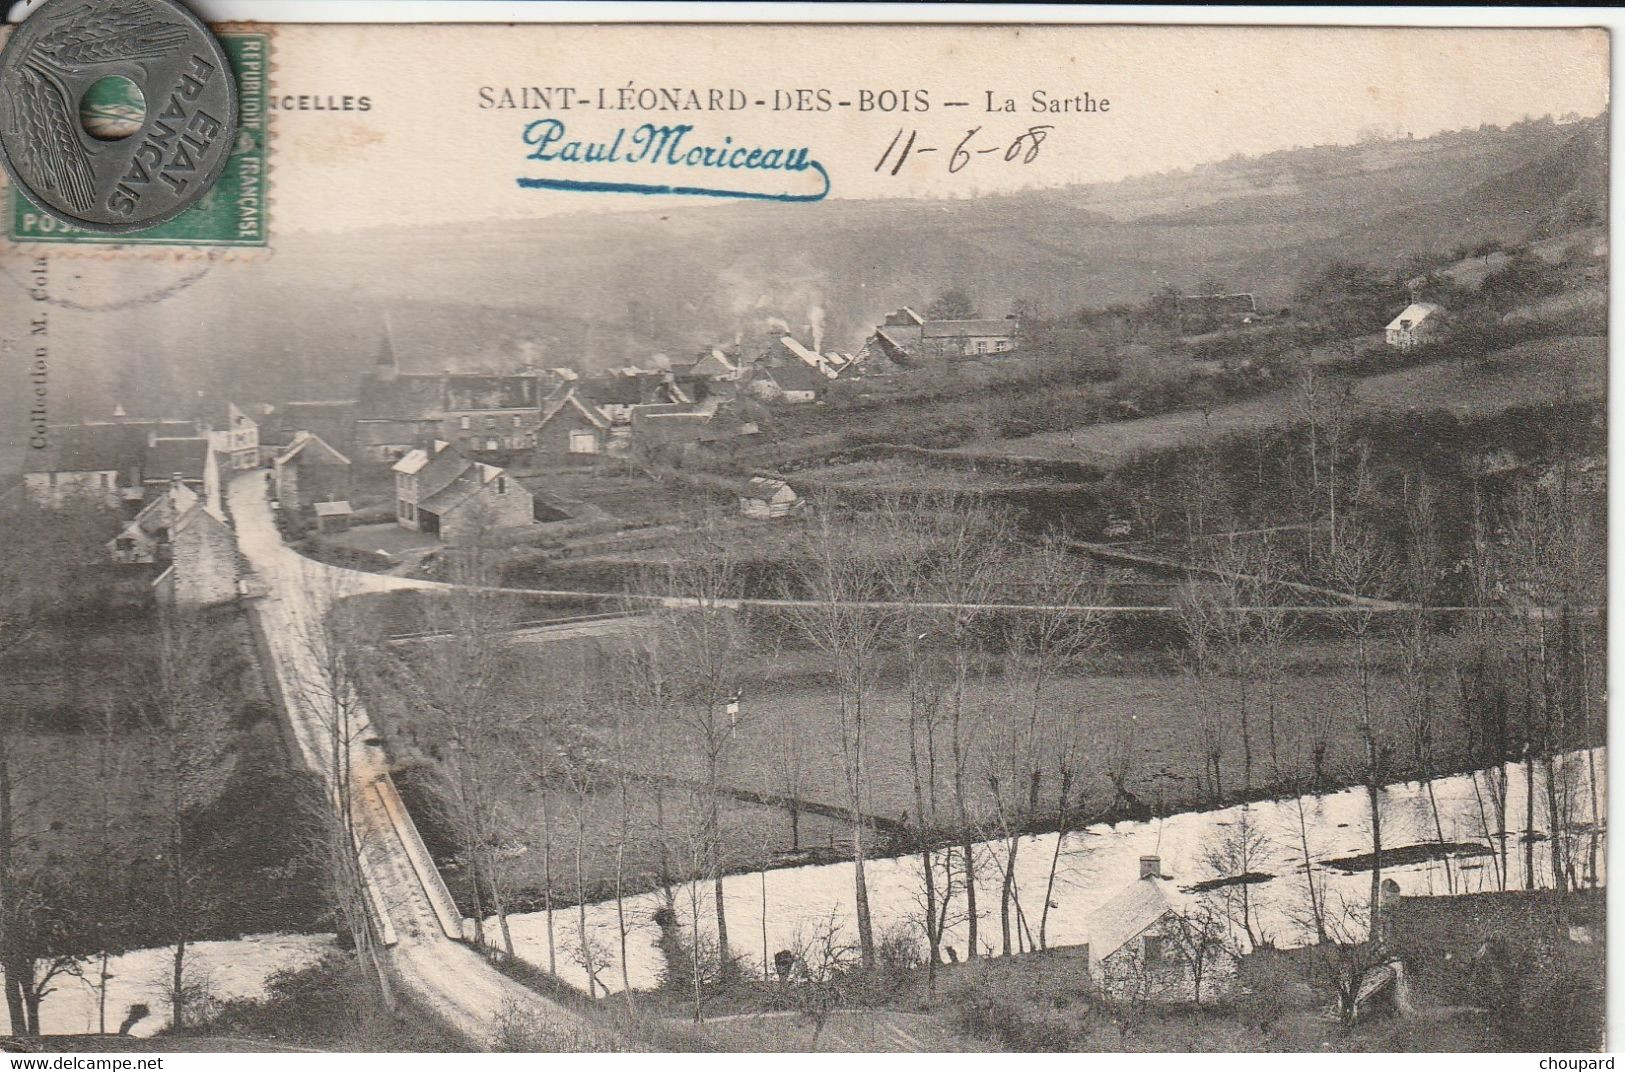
point(326, 652)
point(1198, 937)
point(1418, 658)
point(845, 624)
point(1235, 862)
point(41, 575)
point(1200, 667)
point(461, 677)
point(1347, 953)
point(1043, 735)
point(108, 902)
point(192, 761)
point(953, 550)
point(701, 652)
point(1360, 566)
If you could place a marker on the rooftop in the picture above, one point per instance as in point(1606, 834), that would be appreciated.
point(1123, 918)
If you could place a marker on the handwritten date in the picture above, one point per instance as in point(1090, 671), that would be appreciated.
point(1022, 149)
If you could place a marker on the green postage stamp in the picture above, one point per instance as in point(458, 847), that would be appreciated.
point(232, 214)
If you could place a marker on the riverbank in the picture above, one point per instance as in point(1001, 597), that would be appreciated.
point(790, 908)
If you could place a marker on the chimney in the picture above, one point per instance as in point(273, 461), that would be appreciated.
point(1150, 867)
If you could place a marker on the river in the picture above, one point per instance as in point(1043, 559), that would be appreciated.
point(1099, 861)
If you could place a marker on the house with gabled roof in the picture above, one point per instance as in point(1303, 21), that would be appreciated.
point(790, 383)
point(121, 463)
point(85, 463)
point(310, 471)
point(188, 458)
point(905, 336)
point(1418, 324)
point(481, 412)
point(1141, 944)
point(571, 424)
point(765, 498)
point(203, 569)
point(712, 365)
point(440, 492)
point(145, 537)
point(189, 543)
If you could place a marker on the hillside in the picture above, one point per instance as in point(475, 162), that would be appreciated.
point(607, 288)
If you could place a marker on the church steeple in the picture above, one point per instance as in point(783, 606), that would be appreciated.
point(386, 367)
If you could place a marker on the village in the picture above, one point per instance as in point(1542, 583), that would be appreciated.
point(453, 444)
point(418, 460)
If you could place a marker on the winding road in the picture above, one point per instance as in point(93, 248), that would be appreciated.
point(418, 921)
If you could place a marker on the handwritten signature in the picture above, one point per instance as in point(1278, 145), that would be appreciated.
point(662, 145)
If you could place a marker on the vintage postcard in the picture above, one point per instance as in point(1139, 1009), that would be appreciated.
point(819, 537)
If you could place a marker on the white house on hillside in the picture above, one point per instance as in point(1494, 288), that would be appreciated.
point(1418, 325)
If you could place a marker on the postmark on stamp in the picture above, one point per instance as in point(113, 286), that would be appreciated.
point(233, 213)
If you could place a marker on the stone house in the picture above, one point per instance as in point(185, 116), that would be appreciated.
point(572, 425)
point(334, 421)
point(905, 335)
point(713, 364)
point(1140, 945)
point(82, 464)
point(145, 538)
point(796, 384)
point(478, 412)
point(202, 562)
point(188, 457)
point(101, 460)
point(440, 492)
point(192, 545)
point(310, 471)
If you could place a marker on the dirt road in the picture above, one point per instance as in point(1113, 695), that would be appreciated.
point(420, 922)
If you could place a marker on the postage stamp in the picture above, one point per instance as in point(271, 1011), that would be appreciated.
point(234, 213)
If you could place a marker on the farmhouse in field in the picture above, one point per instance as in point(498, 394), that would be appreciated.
point(1417, 325)
point(906, 336)
point(1201, 313)
point(1140, 945)
point(765, 498)
point(440, 492)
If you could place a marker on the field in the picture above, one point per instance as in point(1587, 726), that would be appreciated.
point(1135, 713)
point(1529, 372)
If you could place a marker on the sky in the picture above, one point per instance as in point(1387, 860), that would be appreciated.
point(425, 151)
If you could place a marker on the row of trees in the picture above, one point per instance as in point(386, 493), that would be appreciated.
point(114, 762)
